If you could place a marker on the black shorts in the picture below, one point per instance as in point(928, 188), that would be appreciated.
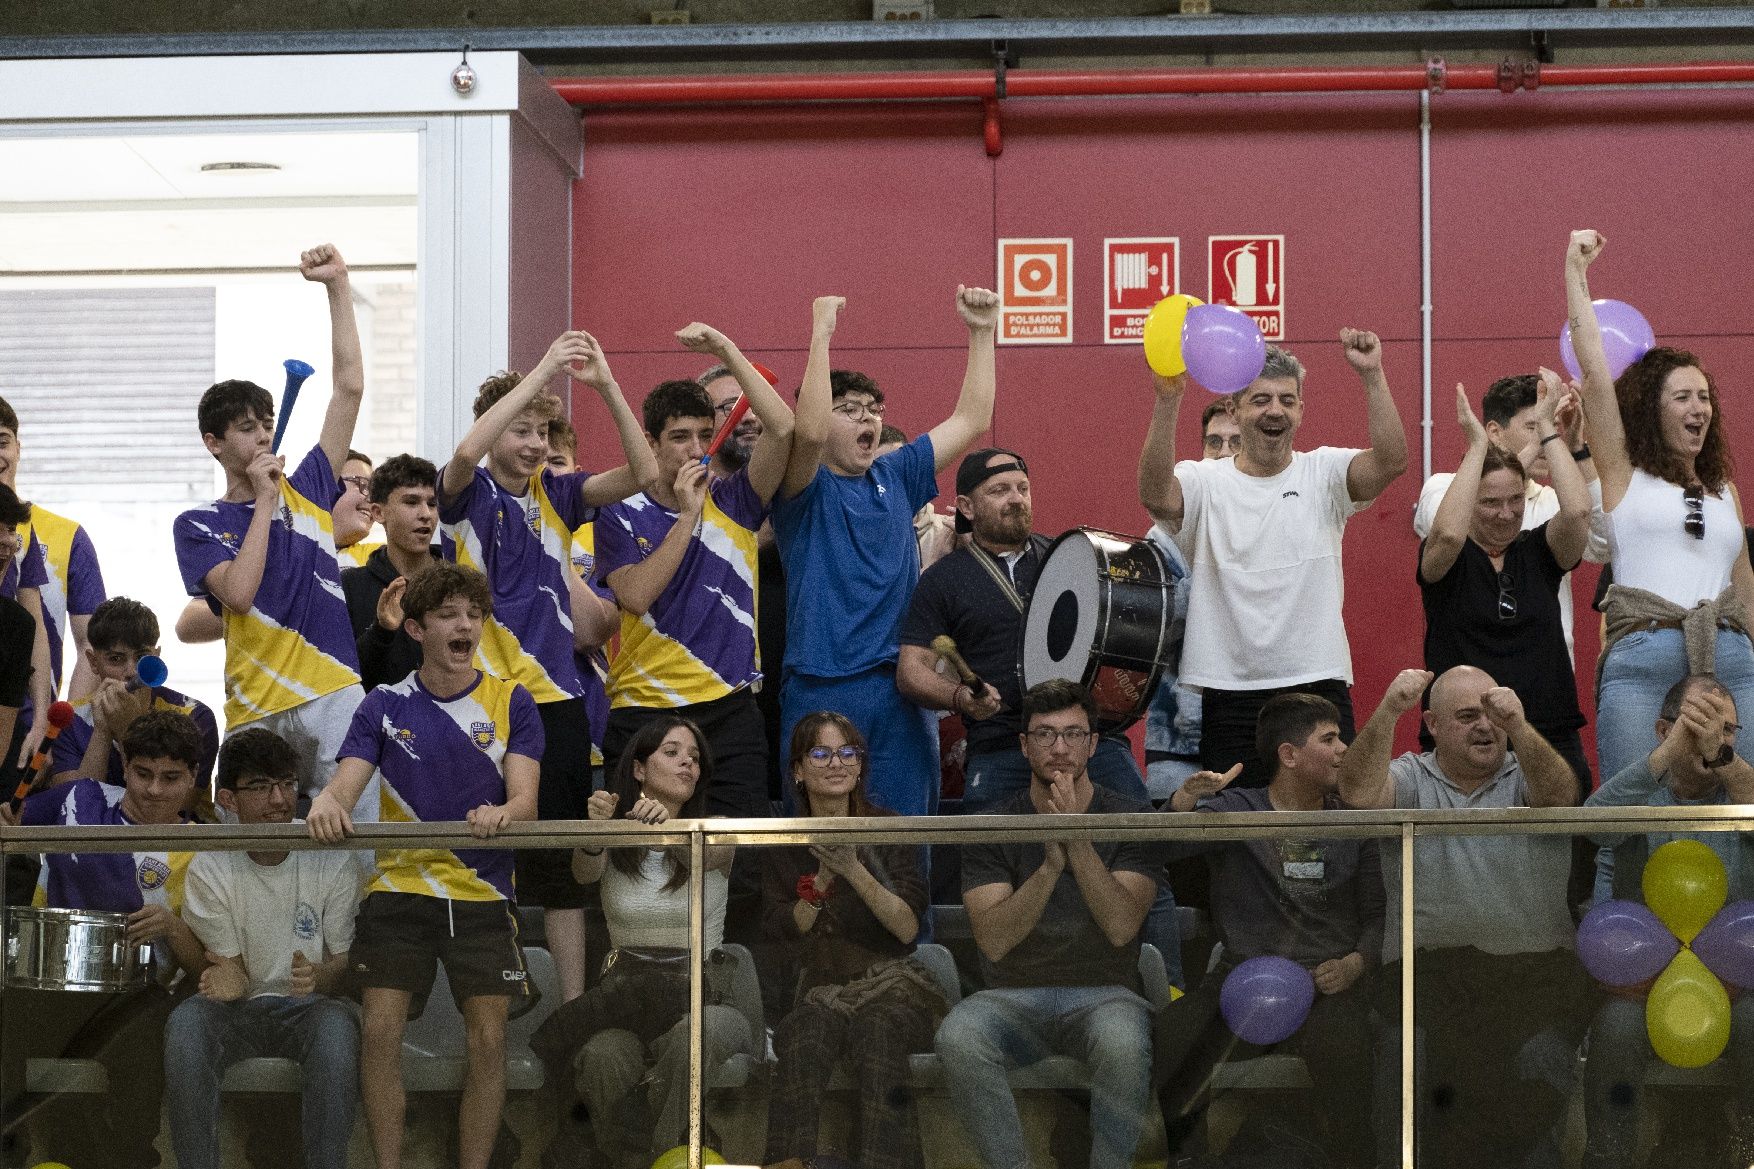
point(400, 938)
point(544, 875)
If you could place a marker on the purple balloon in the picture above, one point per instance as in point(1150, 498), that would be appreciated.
point(1726, 944)
point(1626, 337)
point(1622, 943)
point(1223, 347)
point(1265, 1000)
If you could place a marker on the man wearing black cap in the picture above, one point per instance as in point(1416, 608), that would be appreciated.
point(976, 595)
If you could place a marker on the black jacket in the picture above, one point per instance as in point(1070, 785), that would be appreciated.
point(383, 656)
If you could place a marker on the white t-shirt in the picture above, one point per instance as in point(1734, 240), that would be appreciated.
point(641, 912)
point(1542, 505)
point(1267, 589)
point(263, 913)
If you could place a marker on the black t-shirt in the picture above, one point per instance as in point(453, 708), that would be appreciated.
point(18, 630)
point(1506, 623)
point(958, 597)
point(1067, 947)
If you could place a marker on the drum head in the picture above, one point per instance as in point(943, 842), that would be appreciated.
point(1059, 629)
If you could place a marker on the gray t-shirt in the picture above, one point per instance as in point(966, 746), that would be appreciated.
point(1500, 894)
point(1620, 863)
point(1066, 947)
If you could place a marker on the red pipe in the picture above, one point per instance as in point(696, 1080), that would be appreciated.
point(795, 87)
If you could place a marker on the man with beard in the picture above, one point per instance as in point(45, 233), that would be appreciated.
point(1261, 533)
point(1498, 996)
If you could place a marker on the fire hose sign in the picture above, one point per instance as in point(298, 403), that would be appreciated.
point(1138, 272)
point(1247, 272)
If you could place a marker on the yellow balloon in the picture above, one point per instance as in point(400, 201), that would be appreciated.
point(1685, 885)
point(1688, 1013)
point(1163, 334)
point(49, 1165)
point(677, 1158)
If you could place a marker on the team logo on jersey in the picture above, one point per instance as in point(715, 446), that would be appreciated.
point(152, 873)
point(533, 517)
point(286, 514)
point(403, 737)
point(645, 545)
point(304, 921)
point(482, 734)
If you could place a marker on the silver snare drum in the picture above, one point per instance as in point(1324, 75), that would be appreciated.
point(73, 949)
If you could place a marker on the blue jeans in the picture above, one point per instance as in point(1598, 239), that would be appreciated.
point(1639, 670)
point(995, 776)
point(988, 1033)
point(204, 1037)
point(1613, 1078)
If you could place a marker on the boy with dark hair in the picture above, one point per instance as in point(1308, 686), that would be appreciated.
point(121, 632)
point(447, 743)
point(276, 928)
point(1317, 902)
point(55, 574)
point(681, 561)
point(122, 1030)
point(263, 555)
point(404, 499)
point(844, 520)
point(18, 636)
point(513, 519)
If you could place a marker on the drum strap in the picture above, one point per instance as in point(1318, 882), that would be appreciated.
point(1000, 577)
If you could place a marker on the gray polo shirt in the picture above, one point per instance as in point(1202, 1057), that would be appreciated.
point(1500, 894)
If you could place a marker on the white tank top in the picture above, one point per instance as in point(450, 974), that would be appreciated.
point(641, 912)
point(1652, 550)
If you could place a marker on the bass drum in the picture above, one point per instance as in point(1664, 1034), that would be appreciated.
point(1100, 615)
point(73, 949)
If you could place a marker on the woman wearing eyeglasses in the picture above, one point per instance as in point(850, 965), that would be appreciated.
point(624, 1042)
point(852, 913)
point(1682, 585)
point(1491, 590)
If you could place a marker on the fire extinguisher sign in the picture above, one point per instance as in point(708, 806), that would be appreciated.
point(1247, 272)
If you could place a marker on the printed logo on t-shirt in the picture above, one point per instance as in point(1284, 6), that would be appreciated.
point(153, 873)
point(403, 737)
point(482, 734)
point(286, 514)
point(533, 518)
point(304, 921)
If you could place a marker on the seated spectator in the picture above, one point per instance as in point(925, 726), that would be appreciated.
point(275, 928)
point(1491, 585)
point(1316, 902)
point(1695, 764)
point(1057, 924)
point(623, 1044)
point(404, 499)
point(852, 914)
point(1498, 992)
point(122, 1030)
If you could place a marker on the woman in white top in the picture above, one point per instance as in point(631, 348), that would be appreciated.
point(1682, 588)
point(624, 1042)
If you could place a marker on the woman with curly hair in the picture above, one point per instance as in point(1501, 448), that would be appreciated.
point(852, 912)
point(1683, 587)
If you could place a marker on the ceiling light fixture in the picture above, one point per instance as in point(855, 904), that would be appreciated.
point(238, 167)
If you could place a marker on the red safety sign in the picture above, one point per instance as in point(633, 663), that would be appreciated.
point(1138, 272)
point(1035, 292)
point(1247, 272)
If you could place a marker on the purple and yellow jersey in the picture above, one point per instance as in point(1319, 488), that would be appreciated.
point(436, 760)
point(696, 642)
point(75, 737)
point(523, 544)
point(355, 555)
point(296, 643)
point(594, 666)
point(117, 882)
point(58, 560)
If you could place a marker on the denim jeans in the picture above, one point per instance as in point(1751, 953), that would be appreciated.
point(995, 776)
point(1613, 1078)
point(204, 1037)
point(987, 1034)
point(1638, 671)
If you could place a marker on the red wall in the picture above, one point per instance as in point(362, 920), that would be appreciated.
point(740, 217)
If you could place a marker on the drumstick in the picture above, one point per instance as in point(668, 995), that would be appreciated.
point(945, 647)
point(60, 715)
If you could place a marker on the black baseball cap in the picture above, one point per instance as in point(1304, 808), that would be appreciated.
point(975, 470)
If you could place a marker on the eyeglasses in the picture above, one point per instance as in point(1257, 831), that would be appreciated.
point(1694, 522)
point(1218, 442)
point(1045, 736)
point(359, 483)
point(1506, 597)
point(823, 756)
point(859, 411)
point(286, 787)
point(728, 405)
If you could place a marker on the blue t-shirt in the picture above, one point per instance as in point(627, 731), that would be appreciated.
point(852, 561)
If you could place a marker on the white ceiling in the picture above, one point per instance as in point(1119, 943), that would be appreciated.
point(141, 203)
